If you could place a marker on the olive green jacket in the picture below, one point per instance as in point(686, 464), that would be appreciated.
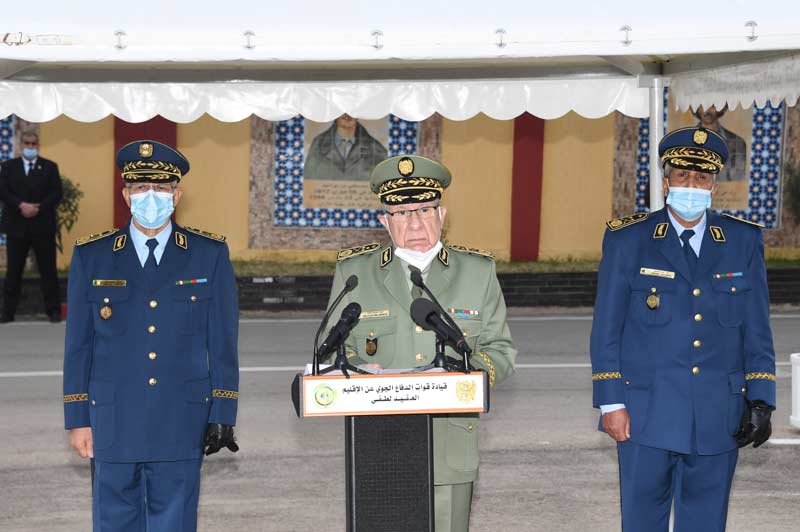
point(465, 283)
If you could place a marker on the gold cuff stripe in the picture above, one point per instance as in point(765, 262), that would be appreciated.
point(490, 366)
point(76, 397)
point(760, 375)
point(225, 394)
point(608, 375)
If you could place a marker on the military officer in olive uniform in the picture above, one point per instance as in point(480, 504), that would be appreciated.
point(682, 356)
point(150, 365)
point(463, 280)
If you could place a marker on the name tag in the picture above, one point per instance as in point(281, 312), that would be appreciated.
point(657, 273)
point(374, 314)
point(109, 282)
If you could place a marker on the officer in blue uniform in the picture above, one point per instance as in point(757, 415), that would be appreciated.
point(683, 365)
point(150, 364)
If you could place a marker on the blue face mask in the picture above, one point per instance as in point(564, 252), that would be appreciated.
point(30, 153)
point(689, 203)
point(152, 209)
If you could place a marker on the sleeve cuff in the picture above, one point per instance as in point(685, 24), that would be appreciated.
point(224, 406)
point(606, 409)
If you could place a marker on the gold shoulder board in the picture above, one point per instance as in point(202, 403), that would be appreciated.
point(212, 236)
point(472, 251)
point(96, 236)
point(626, 221)
point(358, 250)
point(754, 224)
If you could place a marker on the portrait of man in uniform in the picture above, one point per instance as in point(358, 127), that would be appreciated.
point(736, 167)
point(345, 151)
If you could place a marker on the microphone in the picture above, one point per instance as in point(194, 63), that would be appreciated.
point(349, 319)
point(349, 286)
point(426, 315)
point(416, 279)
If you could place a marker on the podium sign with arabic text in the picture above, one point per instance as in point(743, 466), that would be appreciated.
point(392, 394)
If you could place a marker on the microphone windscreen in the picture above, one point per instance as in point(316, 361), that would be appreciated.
point(421, 308)
point(351, 282)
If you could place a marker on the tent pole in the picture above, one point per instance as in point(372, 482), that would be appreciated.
point(656, 133)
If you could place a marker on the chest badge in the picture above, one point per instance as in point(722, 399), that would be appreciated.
point(653, 301)
point(372, 346)
point(105, 312)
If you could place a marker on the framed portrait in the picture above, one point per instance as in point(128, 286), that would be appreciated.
point(322, 169)
point(6, 152)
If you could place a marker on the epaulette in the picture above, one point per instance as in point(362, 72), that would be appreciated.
point(754, 224)
point(358, 250)
point(96, 236)
point(626, 221)
point(212, 236)
point(472, 251)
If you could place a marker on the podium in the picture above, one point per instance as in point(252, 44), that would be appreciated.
point(389, 437)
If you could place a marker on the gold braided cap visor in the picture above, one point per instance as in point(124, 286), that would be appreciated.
point(410, 190)
point(150, 171)
point(698, 159)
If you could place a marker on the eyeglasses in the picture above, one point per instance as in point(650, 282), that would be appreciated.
point(426, 213)
point(141, 188)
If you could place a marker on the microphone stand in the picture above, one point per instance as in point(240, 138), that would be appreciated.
point(342, 364)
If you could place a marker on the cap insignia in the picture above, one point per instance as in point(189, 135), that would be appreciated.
point(146, 150)
point(700, 137)
point(405, 166)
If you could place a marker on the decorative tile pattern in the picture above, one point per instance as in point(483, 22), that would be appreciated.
point(6, 149)
point(289, 210)
point(643, 159)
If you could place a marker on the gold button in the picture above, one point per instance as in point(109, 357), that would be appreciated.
point(695, 370)
point(96, 403)
point(153, 304)
point(698, 317)
point(151, 329)
point(733, 289)
point(106, 300)
point(744, 389)
point(470, 427)
point(627, 382)
point(206, 399)
point(420, 357)
point(696, 292)
point(466, 332)
point(697, 343)
point(653, 290)
point(194, 298)
point(418, 329)
point(152, 381)
point(372, 334)
point(152, 355)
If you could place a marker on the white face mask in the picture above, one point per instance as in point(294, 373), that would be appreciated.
point(419, 259)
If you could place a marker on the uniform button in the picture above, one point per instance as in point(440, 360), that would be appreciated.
point(698, 317)
point(194, 298)
point(152, 355)
point(470, 427)
point(372, 334)
point(744, 389)
point(697, 343)
point(420, 357)
point(418, 329)
point(106, 300)
point(151, 329)
point(627, 382)
point(696, 292)
point(733, 289)
point(466, 332)
point(93, 402)
point(695, 370)
point(153, 304)
point(152, 381)
point(653, 290)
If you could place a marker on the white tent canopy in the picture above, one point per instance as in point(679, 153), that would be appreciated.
point(319, 58)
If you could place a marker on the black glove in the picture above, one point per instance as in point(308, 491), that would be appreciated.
point(756, 426)
point(219, 436)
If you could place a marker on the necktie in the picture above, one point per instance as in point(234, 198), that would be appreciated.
point(27, 167)
point(150, 265)
point(688, 252)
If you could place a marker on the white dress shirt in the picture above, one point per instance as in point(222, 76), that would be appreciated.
point(140, 239)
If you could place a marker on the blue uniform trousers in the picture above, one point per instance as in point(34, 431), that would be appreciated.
point(146, 497)
point(650, 478)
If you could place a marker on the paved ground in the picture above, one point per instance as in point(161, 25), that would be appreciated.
point(543, 467)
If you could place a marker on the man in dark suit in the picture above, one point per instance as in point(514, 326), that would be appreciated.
point(30, 189)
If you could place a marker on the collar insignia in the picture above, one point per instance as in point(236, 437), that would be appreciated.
point(386, 256)
point(444, 256)
point(180, 240)
point(119, 242)
point(717, 234)
point(661, 230)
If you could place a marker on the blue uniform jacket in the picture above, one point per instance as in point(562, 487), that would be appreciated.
point(683, 368)
point(148, 366)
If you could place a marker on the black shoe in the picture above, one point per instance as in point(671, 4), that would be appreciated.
point(55, 318)
point(6, 319)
